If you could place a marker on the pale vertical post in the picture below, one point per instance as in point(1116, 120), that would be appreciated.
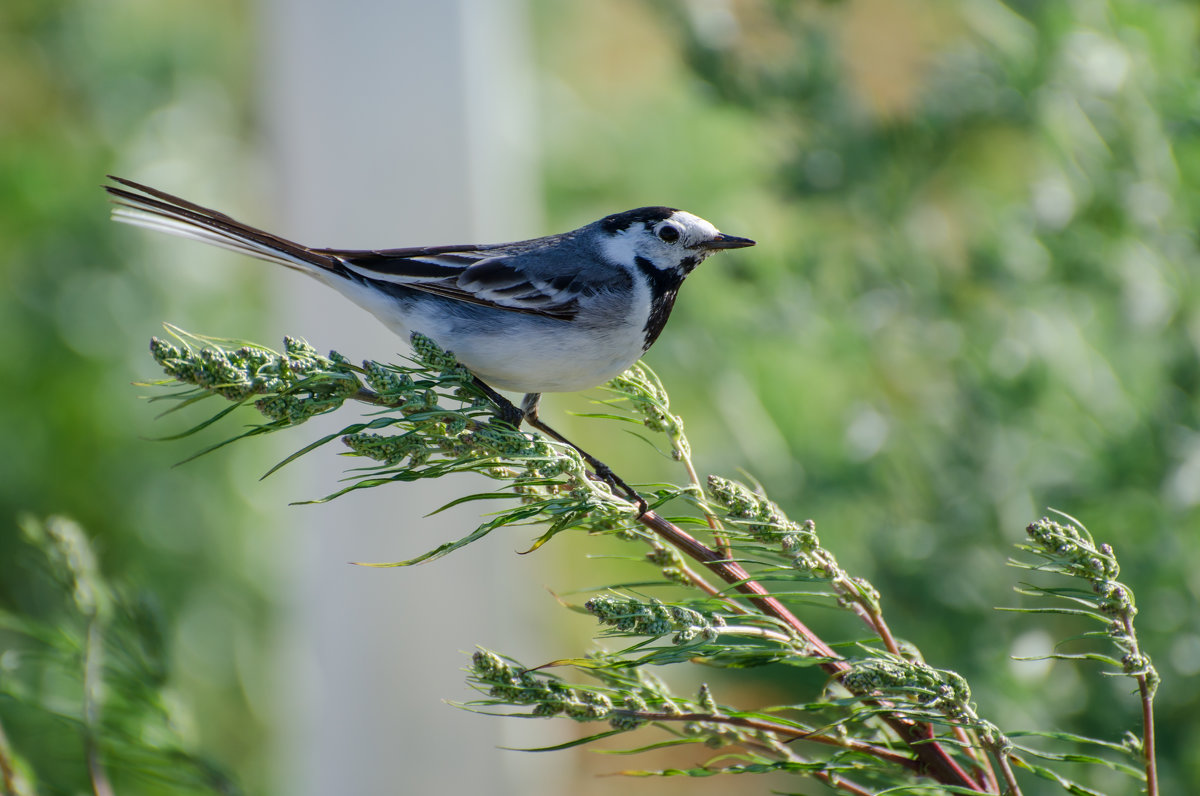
point(392, 123)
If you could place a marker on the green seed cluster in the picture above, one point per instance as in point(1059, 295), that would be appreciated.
point(649, 399)
point(390, 450)
point(547, 695)
point(456, 437)
point(634, 704)
point(434, 357)
point(761, 517)
point(1073, 552)
point(1076, 553)
point(671, 562)
point(296, 384)
point(935, 689)
point(392, 387)
point(654, 619)
point(798, 542)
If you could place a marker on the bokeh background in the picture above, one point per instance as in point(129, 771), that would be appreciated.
point(975, 296)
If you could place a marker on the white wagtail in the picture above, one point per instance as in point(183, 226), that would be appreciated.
point(556, 314)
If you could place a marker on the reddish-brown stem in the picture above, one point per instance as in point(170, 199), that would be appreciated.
point(983, 766)
point(1148, 736)
point(1146, 693)
point(935, 762)
point(876, 620)
point(733, 572)
point(869, 612)
point(1011, 788)
point(719, 535)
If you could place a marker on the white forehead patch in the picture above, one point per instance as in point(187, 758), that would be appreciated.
point(693, 229)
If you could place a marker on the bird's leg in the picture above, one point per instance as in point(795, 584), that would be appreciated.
point(528, 411)
point(529, 408)
point(510, 413)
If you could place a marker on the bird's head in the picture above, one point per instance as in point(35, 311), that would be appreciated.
point(664, 238)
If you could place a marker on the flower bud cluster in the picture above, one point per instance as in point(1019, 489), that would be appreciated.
point(935, 689)
point(434, 357)
point(634, 704)
point(390, 450)
point(1078, 554)
point(714, 733)
point(798, 542)
point(73, 560)
point(455, 436)
point(1072, 551)
point(671, 562)
point(1075, 554)
point(649, 399)
point(654, 619)
point(761, 517)
point(296, 384)
point(547, 695)
point(392, 387)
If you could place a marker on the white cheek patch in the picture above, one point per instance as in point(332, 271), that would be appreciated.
point(622, 248)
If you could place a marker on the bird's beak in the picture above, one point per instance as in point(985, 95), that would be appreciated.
point(723, 241)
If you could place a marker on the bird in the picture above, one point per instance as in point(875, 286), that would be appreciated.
point(560, 313)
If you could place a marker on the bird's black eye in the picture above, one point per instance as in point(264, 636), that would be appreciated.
point(668, 233)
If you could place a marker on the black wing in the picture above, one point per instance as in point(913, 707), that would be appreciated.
point(489, 275)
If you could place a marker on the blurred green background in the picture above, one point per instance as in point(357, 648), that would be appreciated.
point(975, 295)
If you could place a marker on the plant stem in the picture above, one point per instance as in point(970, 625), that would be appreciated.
point(1146, 692)
point(1011, 788)
point(719, 535)
point(936, 763)
point(93, 668)
point(983, 765)
point(1148, 736)
point(932, 760)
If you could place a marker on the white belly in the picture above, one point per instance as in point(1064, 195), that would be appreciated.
point(518, 352)
point(563, 361)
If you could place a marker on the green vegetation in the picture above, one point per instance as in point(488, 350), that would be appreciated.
point(975, 297)
point(880, 716)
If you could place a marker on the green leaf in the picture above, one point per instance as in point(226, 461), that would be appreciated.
point(568, 744)
point(1073, 788)
point(203, 425)
point(449, 547)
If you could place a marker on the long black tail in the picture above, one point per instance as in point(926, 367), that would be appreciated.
point(151, 208)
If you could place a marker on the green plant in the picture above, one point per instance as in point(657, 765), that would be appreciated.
point(881, 717)
point(83, 675)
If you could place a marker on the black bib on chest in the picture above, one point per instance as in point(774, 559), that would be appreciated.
point(664, 287)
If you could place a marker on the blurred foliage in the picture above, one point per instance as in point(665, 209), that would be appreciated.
point(975, 292)
point(83, 679)
point(84, 86)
